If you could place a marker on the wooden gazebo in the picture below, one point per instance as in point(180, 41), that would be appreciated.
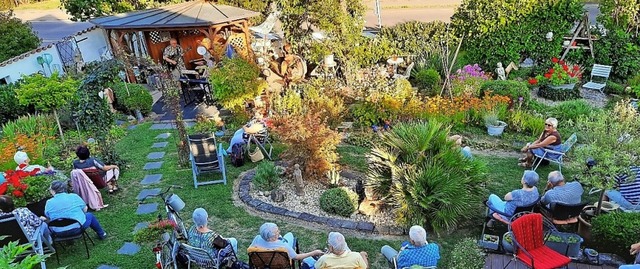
point(147, 32)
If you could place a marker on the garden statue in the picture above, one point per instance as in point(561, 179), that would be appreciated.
point(277, 195)
point(297, 180)
point(500, 72)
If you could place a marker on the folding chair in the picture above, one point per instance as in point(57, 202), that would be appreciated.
point(601, 74)
point(564, 214)
point(11, 227)
point(395, 265)
point(269, 259)
point(205, 158)
point(530, 231)
point(261, 139)
point(200, 257)
point(79, 233)
point(500, 216)
point(556, 156)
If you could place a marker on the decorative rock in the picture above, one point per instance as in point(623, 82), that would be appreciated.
point(155, 155)
point(349, 224)
point(369, 207)
point(151, 179)
point(277, 196)
point(306, 217)
point(365, 226)
point(159, 145)
point(104, 266)
point(140, 225)
point(147, 208)
point(152, 165)
point(396, 231)
point(382, 229)
point(292, 214)
point(163, 136)
point(129, 249)
point(255, 202)
point(147, 192)
point(334, 223)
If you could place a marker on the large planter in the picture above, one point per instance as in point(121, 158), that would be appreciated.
point(38, 207)
point(584, 222)
point(569, 86)
point(496, 130)
point(565, 242)
point(507, 246)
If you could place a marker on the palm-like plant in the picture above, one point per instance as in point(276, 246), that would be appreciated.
point(425, 176)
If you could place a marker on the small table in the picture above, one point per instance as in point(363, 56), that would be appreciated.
point(189, 85)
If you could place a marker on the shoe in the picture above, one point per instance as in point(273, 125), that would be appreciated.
point(490, 223)
point(525, 165)
point(104, 235)
point(522, 159)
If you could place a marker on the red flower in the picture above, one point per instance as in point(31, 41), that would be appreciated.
point(554, 59)
point(561, 62)
point(576, 67)
point(3, 188)
point(566, 68)
point(533, 81)
point(548, 75)
point(551, 71)
point(17, 193)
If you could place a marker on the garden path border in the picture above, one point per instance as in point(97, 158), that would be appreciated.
point(242, 193)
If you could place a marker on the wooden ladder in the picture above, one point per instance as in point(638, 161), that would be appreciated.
point(581, 33)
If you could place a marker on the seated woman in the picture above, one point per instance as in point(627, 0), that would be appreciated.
point(525, 196)
point(27, 219)
point(22, 159)
point(201, 236)
point(627, 190)
point(549, 139)
point(111, 173)
point(269, 238)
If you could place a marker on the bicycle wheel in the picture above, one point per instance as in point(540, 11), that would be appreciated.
point(167, 257)
point(180, 228)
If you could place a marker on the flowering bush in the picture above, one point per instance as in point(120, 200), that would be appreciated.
point(467, 81)
point(464, 108)
point(154, 231)
point(560, 73)
point(25, 187)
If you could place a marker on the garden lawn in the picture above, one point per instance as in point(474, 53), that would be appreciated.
point(232, 221)
point(41, 5)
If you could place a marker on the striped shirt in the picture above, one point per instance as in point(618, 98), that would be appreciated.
point(630, 189)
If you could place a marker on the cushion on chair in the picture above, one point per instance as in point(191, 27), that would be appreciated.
point(566, 221)
point(545, 258)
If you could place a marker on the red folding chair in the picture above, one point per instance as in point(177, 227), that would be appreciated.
point(529, 233)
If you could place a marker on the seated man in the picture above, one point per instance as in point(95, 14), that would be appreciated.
point(340, 256)
point(269, 238)
point(557, 191)
point(527, 195)
point(627, 194)
point(415, 252)
point(633, 250)
point(71, 206)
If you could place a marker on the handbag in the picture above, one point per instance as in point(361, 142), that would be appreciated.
point(219, 242)
point(257, 155)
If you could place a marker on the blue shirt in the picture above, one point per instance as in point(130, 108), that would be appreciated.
point(278, 244)
point(427, 255)
point(520, 197)
point(569, 194)
point(65, 205)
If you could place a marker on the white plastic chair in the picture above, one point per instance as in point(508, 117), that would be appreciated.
point(601, 73)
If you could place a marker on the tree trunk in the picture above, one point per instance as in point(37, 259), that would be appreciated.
point(55, 114)
point(600, 202)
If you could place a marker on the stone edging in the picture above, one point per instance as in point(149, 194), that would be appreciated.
point(361, 226)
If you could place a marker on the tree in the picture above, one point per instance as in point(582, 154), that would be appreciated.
point(425, 177)
point(612, 141)
point(82, 10)
point(47, 93)
point(17, 36)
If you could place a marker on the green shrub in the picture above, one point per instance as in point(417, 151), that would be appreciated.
point(466, 254)
point(559, 94)
point(424, 177)
point(11, 109)
point(523, 73)
point(267, 177)
point(133, 97)
point(615, 232)
point(524, 122)
point(513, 89)
point(11, 256)
point(571, 110)
point(614, 88)
point(339, 201)
point(428, 80)
point(415, 37)
point(235, 82)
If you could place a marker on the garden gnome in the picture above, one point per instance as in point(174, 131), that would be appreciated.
point(500, 72)
point(297, 180)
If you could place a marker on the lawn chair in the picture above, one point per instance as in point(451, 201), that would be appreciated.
point(260, 258)
point(199, 257)
point(530, 231)
point(395, 265)
point(500, 216)
point(10, 226)
point(81, 233)
point(601, 75)
point(555, 156)
point(205, 158)
point(563, 214)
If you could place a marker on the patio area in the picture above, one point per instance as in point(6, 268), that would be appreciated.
point(497, 261)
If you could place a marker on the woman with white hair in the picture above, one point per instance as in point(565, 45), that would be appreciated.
point(415, 252)
point(270, 239)
point(549, 139)
point(340, 256)
point(201, 236)
point(22, 159)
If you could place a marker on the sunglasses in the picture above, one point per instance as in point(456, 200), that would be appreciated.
point(548, 124)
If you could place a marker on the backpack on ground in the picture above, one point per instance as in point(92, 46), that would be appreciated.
point(237, 155)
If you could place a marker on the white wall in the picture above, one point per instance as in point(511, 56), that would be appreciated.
point(93, 46)
point(29, 65)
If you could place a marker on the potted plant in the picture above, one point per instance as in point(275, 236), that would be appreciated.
point(158, 232)
point(560, 76)
point(495, 127)
point(507, 242)
point(489, 241)
point(562, 243)
point(27, 190)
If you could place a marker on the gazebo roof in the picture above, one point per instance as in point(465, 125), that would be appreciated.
point(189, 14)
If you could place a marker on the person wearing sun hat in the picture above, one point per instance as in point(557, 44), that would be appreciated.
point(526, 195)
point(22, 159)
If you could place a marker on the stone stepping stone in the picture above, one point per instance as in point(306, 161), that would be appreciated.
point(159, 145)
point(151, 179)
point(129, 249)
point(152, 165)
point(162, 126)
point(146, 192)
point(189, 124)
point(146, 208)
point(104, 266)
point(156, 155)
point(163, 136)
point(132, 127)
point(140, 225)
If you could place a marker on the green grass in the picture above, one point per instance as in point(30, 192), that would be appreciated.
point(43, 5)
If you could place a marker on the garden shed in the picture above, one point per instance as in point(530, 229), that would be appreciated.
point(147, 32)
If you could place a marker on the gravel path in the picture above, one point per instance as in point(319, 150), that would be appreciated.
point(593, 98)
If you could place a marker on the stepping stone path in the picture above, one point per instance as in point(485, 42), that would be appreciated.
point(151, 179)
point(155, 155)
point(152, 165)
point(132, 127)
point(129, 249)
point(147, 192)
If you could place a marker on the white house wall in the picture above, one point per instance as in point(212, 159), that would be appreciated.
point(29, 65)
point(92, 45)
